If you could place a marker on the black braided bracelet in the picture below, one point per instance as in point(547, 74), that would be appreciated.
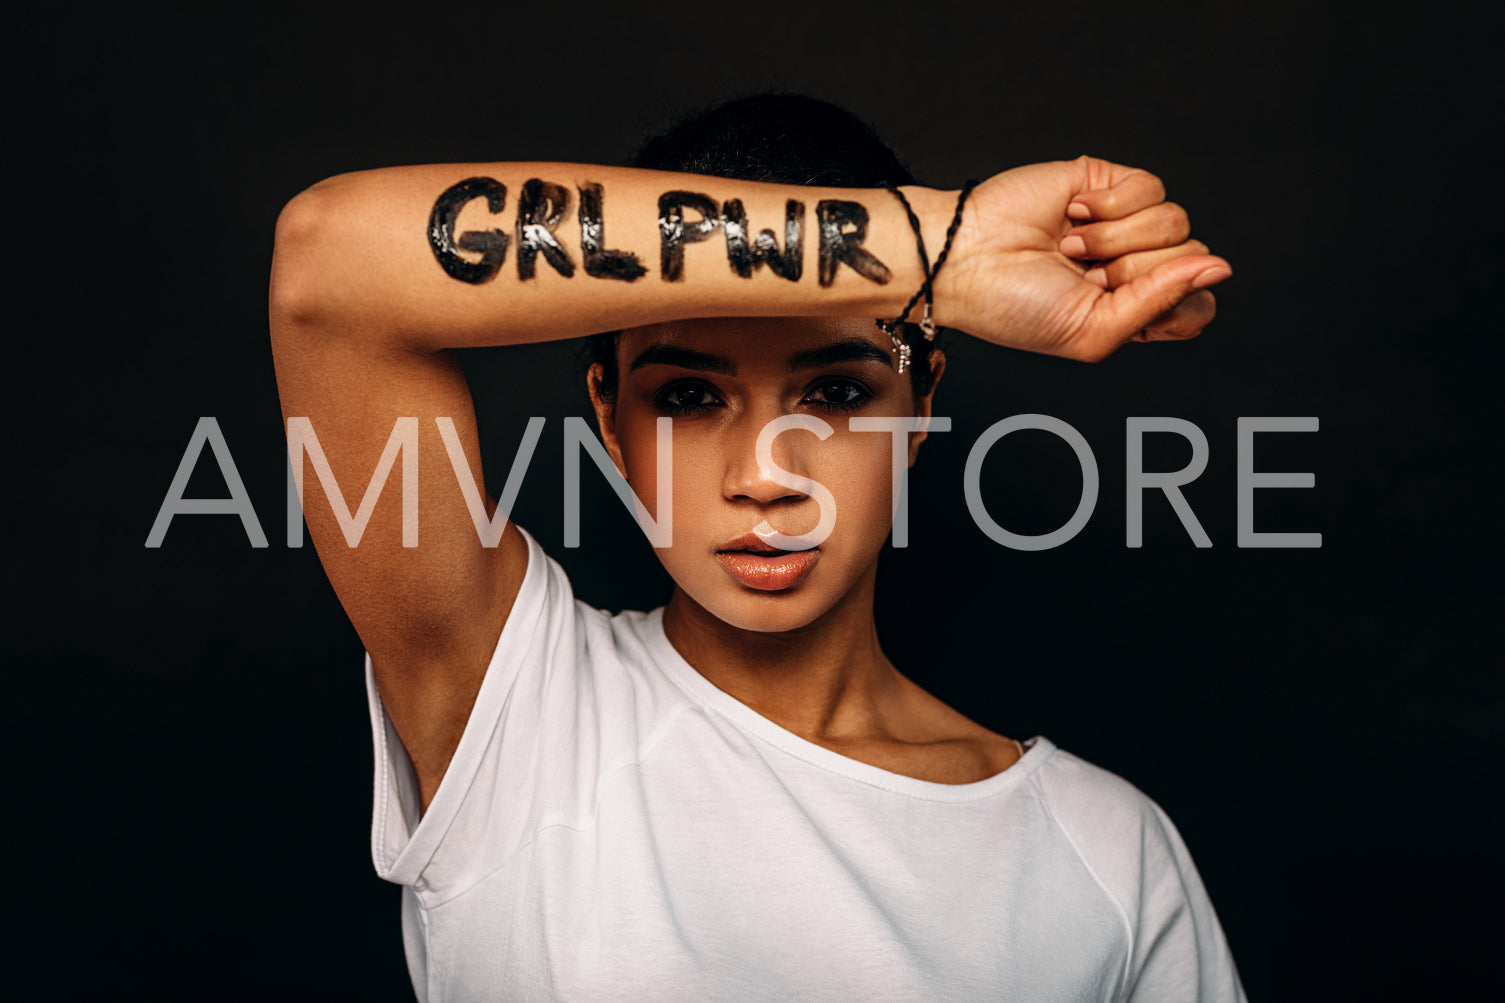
point(891, 328)
point(927, 287)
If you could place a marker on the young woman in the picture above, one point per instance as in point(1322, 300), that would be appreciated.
point(736, 795)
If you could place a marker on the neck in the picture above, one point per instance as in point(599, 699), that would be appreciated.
point(826, 680)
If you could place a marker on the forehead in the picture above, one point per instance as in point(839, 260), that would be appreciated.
point(755, 342)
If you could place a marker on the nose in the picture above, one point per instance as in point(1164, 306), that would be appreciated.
point(765, 480)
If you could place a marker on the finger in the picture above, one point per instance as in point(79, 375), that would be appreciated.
point(1126, 268)
point(1126, 195)
point(1186, 320)
point(1117, 316)
point(1163, 225)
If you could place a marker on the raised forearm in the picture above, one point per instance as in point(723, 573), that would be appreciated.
point(455, 255)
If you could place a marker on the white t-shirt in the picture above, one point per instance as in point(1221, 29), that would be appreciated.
point(614, 827)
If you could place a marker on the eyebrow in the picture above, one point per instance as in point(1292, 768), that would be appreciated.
point(846, 350)
point(684, 358)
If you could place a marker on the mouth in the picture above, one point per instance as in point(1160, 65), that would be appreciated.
point(756, 565)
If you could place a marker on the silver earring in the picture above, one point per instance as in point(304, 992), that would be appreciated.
point(901, 349)
point(926, 324)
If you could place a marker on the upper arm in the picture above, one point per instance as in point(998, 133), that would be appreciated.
point(430, 614)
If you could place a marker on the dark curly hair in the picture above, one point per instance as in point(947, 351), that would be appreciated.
point(785, 139)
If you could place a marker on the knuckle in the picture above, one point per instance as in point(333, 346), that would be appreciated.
point(1175, 220)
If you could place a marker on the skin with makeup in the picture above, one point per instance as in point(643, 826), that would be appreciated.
point(379, 276)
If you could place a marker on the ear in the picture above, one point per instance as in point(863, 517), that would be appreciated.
point(923, 404)
point(606, 416)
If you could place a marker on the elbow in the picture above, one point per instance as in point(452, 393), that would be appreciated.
point(299, 289)
point(293, 293)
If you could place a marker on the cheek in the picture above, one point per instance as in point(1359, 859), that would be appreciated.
point(695, 469)
point(637, 437)
point(858, 470)
point(699, 518)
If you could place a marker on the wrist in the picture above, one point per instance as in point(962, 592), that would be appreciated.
point(936, 210)
point(929, 206)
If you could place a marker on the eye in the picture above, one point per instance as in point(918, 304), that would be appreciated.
point(686, 398)
point(839, 395)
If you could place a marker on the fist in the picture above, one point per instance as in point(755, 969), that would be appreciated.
point(1075, 258)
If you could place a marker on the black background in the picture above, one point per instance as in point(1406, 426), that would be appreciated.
point(189, 795)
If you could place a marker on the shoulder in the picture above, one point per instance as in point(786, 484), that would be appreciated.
point(1121, 835)
point(551, 619)
point(1178, 950)
point(570, 658)
point(1085, 797)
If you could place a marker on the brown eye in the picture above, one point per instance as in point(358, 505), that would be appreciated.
point(839, 395)
point(682, 398)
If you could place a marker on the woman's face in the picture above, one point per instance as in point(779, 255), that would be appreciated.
point(722, 381)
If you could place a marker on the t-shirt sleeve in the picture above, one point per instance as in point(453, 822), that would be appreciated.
point(1177, 950)
point(558, 709)
point(1180, 951)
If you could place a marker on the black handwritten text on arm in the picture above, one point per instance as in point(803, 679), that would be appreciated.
point(542, 206)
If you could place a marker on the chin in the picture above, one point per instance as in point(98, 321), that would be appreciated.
point(769, 613)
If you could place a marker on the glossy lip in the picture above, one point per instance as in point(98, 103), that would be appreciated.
point(755, 564)
point(750, 542)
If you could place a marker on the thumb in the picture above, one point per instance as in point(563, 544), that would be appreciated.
point(1118, 315)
